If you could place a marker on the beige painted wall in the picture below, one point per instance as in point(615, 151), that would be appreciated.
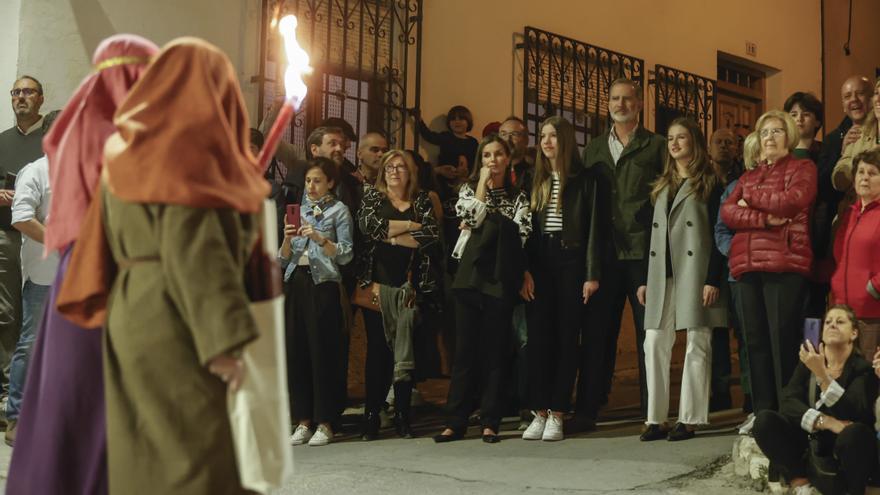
point(469, 57)
point(58, 37)
point(468, 54)
point(864, 56)
point(9, 13)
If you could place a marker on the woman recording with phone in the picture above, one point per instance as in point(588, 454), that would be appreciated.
point(315, 245)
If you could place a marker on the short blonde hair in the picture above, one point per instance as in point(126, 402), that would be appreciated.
point(412, 185)
point(791, 133)
point(751, 150)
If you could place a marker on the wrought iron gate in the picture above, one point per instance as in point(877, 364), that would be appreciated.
point(570, 78)
point(678, 93)
point(367, 60)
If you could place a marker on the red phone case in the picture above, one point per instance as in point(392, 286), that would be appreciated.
point(292, 217)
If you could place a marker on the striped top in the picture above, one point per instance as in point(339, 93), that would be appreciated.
point(553, 218)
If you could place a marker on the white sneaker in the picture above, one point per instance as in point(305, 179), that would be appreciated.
point(321, 437)
point(745, 428)
point(536, 429)
point(553, 430)
point(301, 435)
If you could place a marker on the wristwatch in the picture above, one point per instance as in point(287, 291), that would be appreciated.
point(820, 422)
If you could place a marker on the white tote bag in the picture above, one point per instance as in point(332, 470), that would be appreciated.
point(259, 411)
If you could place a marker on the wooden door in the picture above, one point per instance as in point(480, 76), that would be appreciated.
point(737, 112)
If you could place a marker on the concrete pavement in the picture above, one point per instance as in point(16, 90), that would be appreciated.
point(611, 460)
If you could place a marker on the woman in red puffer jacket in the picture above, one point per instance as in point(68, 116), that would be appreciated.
point(770, 255)
point(856, 281)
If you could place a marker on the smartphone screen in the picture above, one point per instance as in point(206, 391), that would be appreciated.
point(9, 181)
point(292, 217)
point(812, 327)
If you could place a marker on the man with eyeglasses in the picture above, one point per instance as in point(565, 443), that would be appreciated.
point(513, 130)
point(19, 145)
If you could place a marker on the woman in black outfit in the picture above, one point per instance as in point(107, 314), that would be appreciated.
point(497, 222)
point(563, 260)
point(839, 417)
point(398, 222)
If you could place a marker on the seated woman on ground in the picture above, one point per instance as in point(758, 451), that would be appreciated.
point(837, 415)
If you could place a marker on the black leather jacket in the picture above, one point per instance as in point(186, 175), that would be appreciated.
point(581, 227)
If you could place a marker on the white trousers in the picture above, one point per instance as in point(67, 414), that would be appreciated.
point(693, 407)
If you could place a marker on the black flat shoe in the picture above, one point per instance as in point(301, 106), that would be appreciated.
point(654, 432)
point(371, 427)
point(455, 435)
point(680, 432)
point(491, 438)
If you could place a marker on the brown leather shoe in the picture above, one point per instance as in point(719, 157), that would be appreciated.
point(10, 433)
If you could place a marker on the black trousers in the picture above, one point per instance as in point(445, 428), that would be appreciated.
point(771, 312)
point(554, 323)
point(313, 339)
point(786, 444)
point(380, 368)
point(721, 370)
point(482, 351)
point(620, 281)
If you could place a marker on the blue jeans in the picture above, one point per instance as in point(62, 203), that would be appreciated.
point(33, 297)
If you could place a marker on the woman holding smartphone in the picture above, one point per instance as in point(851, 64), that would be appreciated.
point(826, 407)
point(563, 258)
point(314, 247)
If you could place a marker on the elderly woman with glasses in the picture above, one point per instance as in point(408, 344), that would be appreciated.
point(771, 255)
point(398, 222)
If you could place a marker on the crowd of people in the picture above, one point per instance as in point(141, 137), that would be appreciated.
point(517, 260)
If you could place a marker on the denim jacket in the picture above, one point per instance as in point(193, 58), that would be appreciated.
point(723, 233)
point(333, 221)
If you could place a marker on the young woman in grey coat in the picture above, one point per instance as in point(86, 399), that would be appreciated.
point(684, 276)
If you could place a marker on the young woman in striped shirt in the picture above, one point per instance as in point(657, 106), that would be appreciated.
point(563, 260)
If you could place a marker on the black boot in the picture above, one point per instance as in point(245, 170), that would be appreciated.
point(402, 398)
point(371, 426)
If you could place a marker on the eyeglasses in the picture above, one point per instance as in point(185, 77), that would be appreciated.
point(776, 131)
point(513, 134)
point(395, 168)
point(17, 92)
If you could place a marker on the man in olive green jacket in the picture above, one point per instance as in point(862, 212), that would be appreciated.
point(626, 160)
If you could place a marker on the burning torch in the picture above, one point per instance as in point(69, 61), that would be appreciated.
point(294, 88)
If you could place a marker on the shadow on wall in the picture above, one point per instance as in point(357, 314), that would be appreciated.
point(92, 24)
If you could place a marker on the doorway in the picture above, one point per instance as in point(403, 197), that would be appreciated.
point(740, 97)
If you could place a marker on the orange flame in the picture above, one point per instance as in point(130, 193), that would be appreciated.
point(297, 61)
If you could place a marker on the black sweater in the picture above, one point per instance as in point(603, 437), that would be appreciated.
point(856, 404)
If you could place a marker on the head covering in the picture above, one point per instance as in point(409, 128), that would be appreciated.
point(182, 138)
point(183, 135)
point(343, 124)
point(75, 144)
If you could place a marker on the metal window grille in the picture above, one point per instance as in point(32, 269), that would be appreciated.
point(367, 60)
point(570, 78)
point(678, 93)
